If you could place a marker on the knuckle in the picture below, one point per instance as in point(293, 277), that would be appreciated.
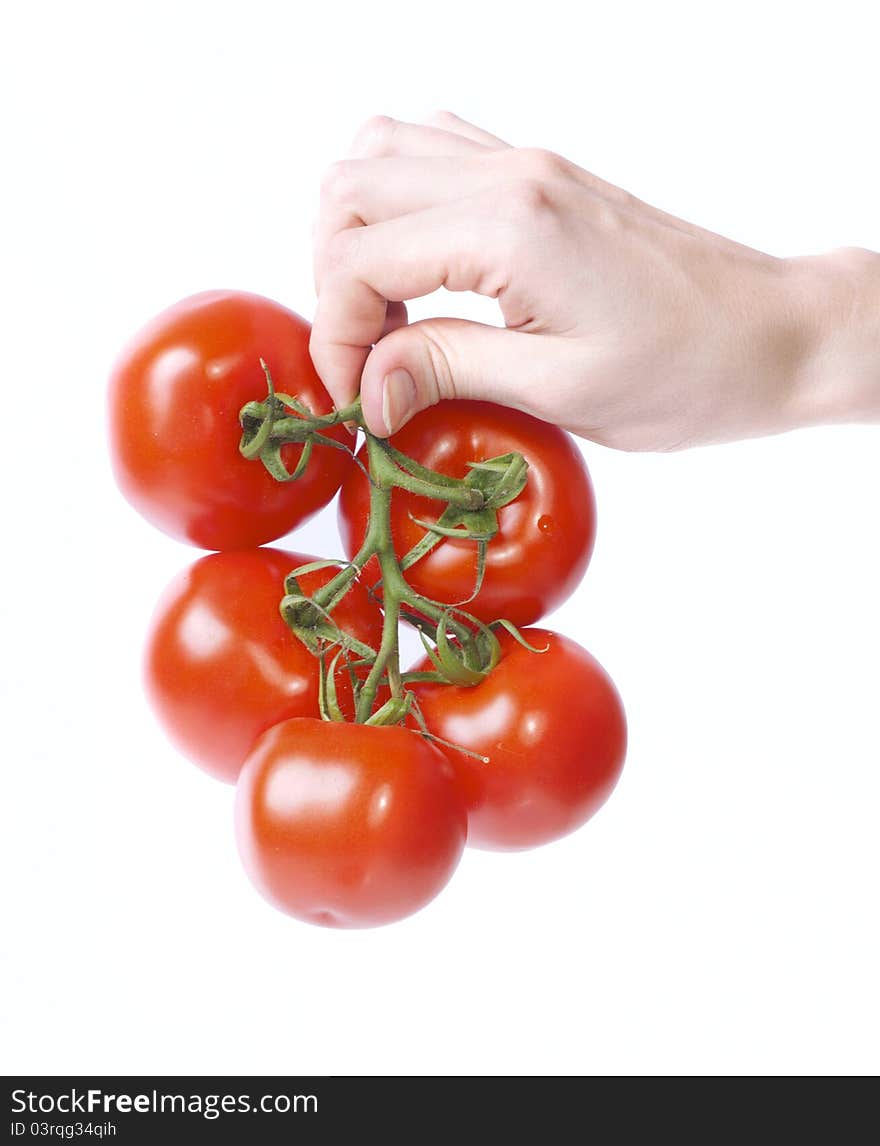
point(337, 182)
point(532, 191)
point(527, 199)
point(375, 135)
point(538, 163)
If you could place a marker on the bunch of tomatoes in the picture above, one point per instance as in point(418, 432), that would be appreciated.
point(359, 781)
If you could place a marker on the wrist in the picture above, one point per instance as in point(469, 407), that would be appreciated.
point(838, 376)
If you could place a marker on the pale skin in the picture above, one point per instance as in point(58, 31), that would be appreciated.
point(623, 324)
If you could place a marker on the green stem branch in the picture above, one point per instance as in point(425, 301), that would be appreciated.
point(268, 426)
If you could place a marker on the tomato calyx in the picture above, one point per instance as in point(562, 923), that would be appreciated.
point(500, 480)
point(462, 649)
point(312, 621)
point(267, 427)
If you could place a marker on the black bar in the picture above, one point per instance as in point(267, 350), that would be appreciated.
point(195, 1109)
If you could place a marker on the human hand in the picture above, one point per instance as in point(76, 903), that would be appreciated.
point(622, 323)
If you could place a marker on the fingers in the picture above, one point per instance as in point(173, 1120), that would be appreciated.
point(452, 123)
point(383, 136)
point(416, 367)
point(395, 168)
point(361, 192)
point(462, 246)
point(395, 318)
point(448, 135)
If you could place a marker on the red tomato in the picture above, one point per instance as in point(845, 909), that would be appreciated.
point(545, 536)
point(347, 825)
point(175, 397)
point(222, 666)
point(554, 730)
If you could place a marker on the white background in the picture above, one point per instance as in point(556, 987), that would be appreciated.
point(720, 914)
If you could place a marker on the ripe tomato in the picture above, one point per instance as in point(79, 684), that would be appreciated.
point(175, 397)
point(347, 825)
point(554, 730)
point(545, 536)
point(221, 665)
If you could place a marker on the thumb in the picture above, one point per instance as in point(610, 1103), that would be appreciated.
point(418, 365)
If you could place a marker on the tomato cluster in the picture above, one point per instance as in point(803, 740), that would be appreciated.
point(349, 816)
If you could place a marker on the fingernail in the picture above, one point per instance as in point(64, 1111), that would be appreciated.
point(398, 398)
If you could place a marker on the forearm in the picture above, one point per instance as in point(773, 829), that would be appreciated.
point(839, 377)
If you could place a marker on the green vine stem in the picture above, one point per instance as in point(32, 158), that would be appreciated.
point(462, 648)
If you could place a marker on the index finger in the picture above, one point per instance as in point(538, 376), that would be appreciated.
point(458, 245)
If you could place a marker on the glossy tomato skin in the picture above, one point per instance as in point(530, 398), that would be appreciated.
point(545, 536)
point(175, 396)
point(221, 666)
point(345, 825)
point(553, 728)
